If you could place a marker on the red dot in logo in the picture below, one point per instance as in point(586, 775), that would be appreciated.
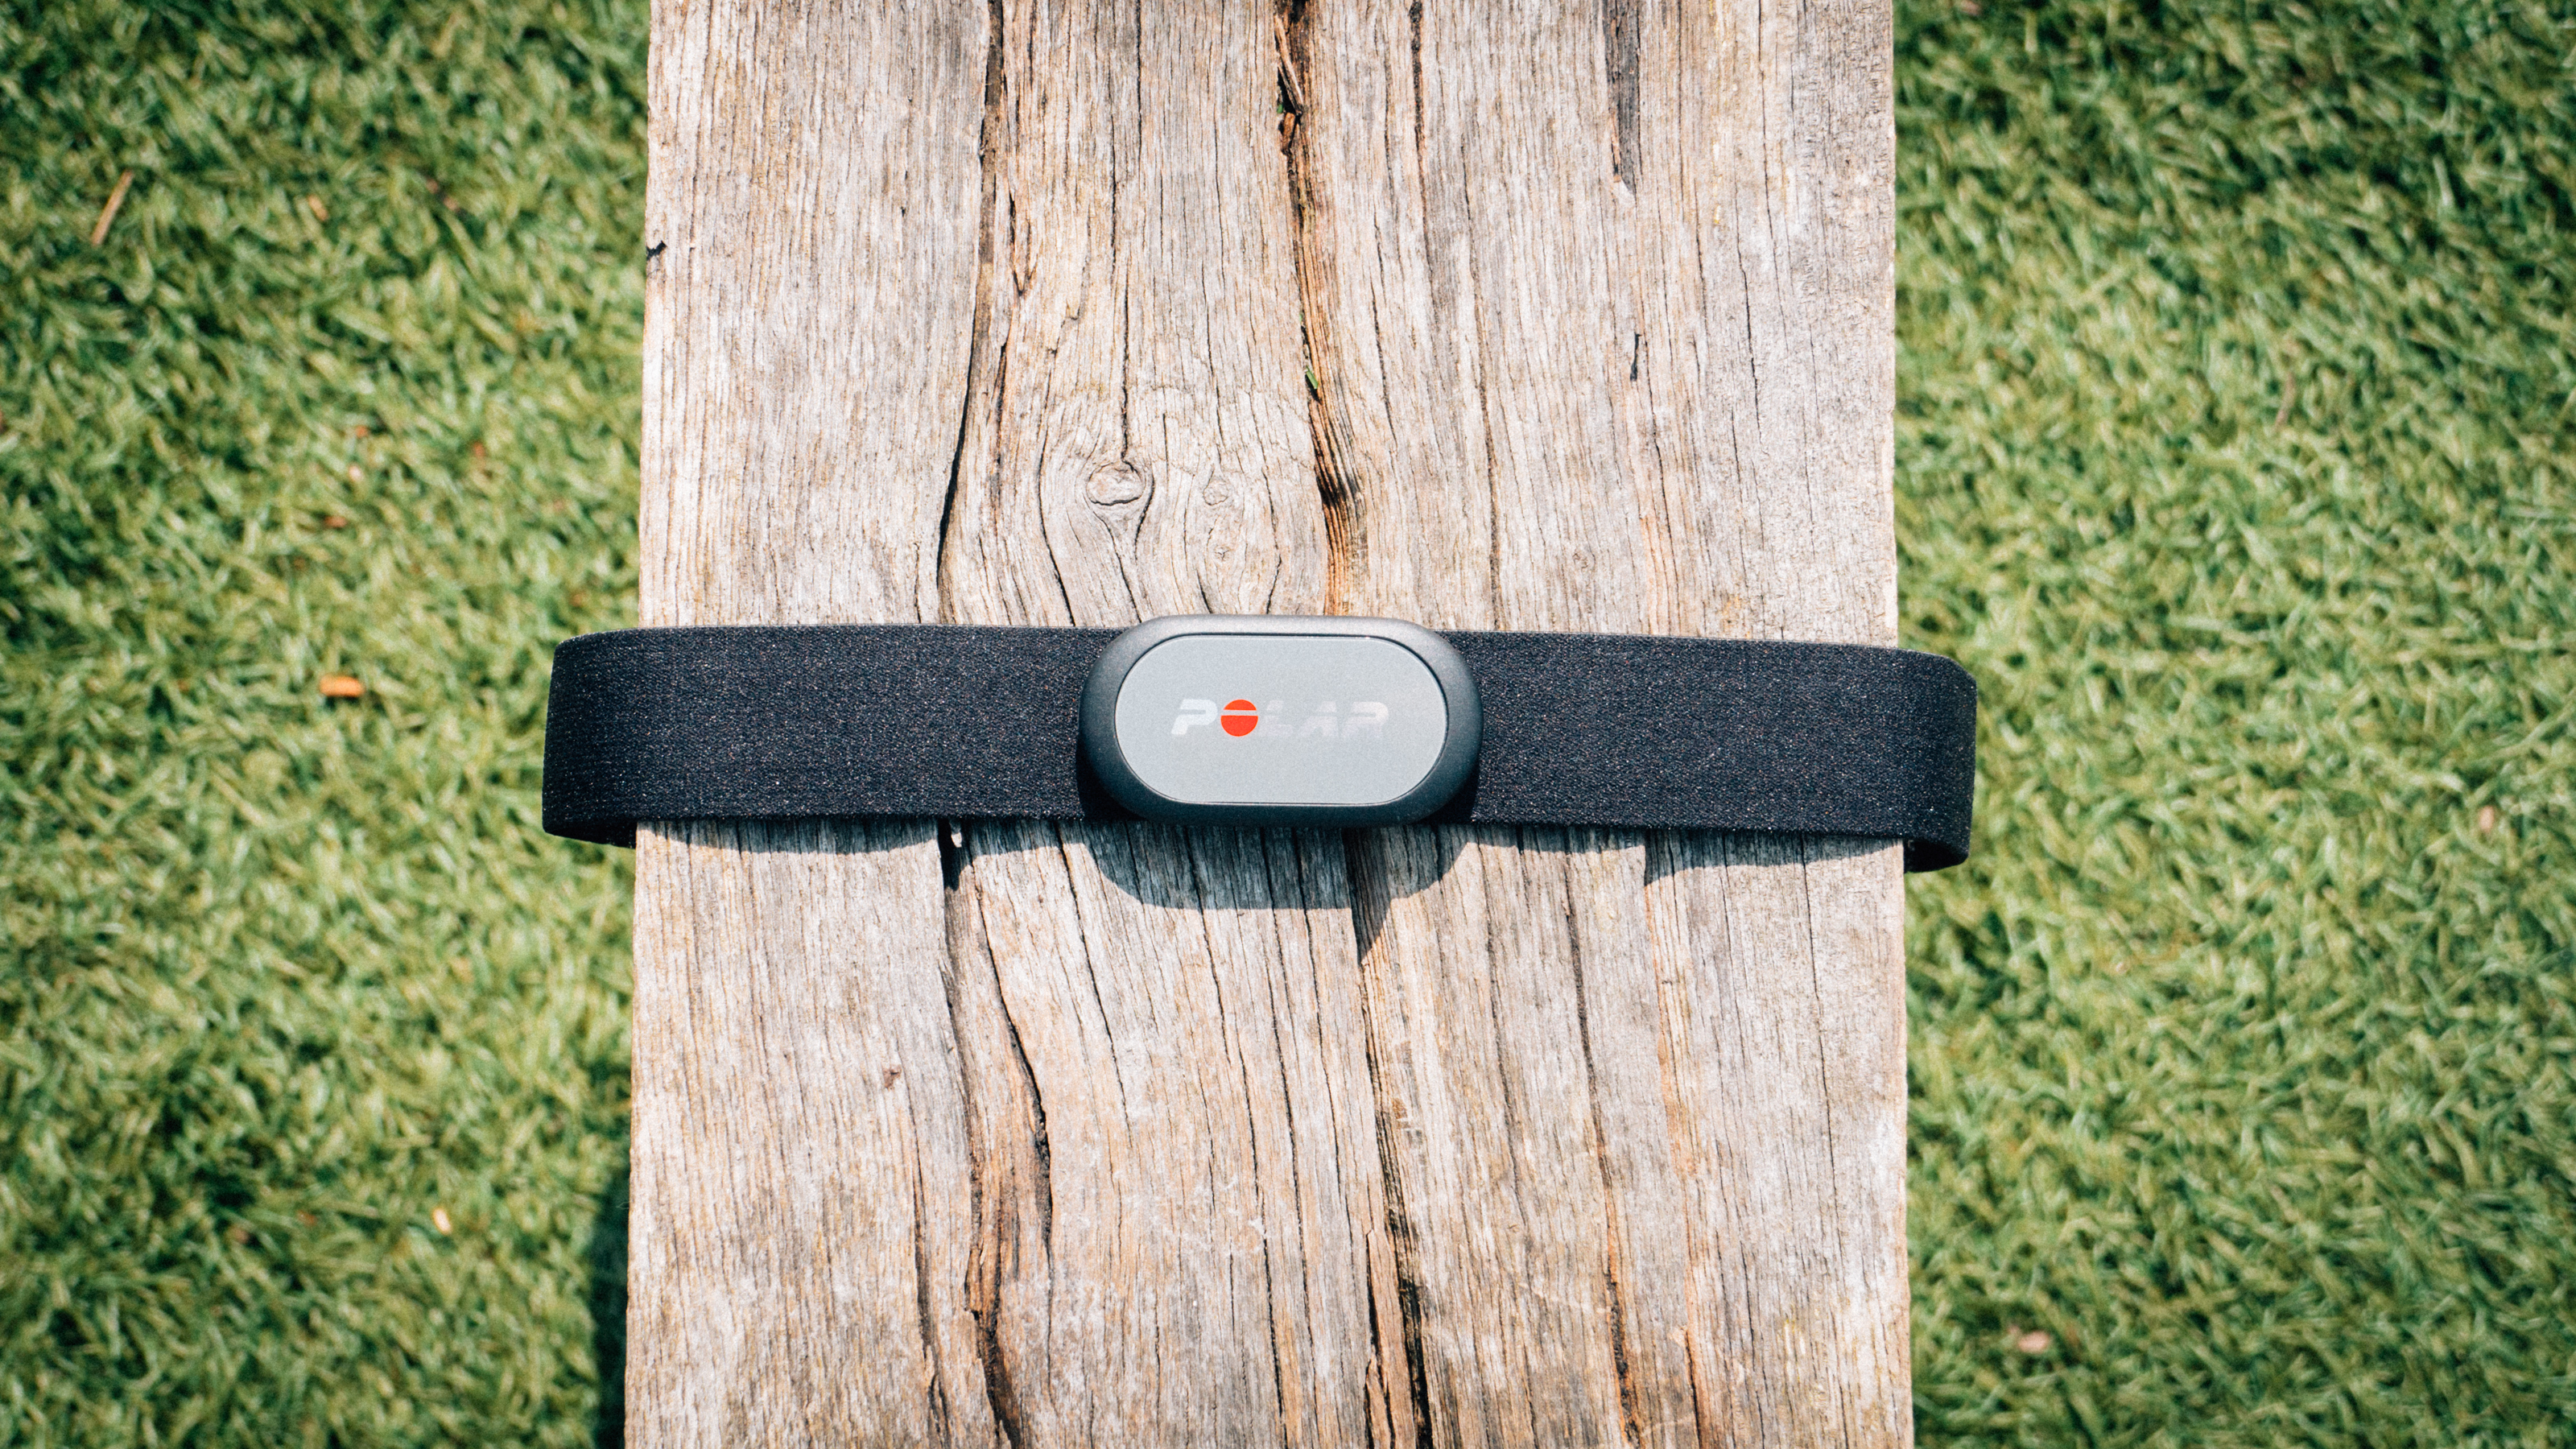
point(1239, 718)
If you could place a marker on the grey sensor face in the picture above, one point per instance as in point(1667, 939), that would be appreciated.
point(1279, 720)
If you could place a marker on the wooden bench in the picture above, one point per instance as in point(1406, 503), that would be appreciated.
point(1483, 315)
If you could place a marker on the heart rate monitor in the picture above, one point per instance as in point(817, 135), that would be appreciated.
point(1218, 720)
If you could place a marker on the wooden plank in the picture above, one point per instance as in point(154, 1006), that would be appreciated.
point(802, 1202)
point(1601, 308)
point(1007, 314)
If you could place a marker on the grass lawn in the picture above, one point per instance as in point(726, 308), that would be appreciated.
point(2236, 455)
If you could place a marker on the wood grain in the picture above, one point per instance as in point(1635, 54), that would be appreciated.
point(1492, 316)
point(803, 1199)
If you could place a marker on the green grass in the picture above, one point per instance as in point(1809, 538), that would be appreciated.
point(2236, 458)
point(2238, 417)
point(287, 977)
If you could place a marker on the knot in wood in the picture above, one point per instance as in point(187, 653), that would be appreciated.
point(1117, 485)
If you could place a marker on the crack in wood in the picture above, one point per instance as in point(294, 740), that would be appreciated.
point(1344, 502)
point(1630, 1421)
point(1364, 856)
point(943, 554)
point(991, 1209)
point(937, 1407)
point(1619, 53)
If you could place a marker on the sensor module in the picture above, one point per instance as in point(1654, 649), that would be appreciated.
point(1283, 721)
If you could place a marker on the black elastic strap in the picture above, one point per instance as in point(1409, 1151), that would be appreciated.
point(774, 722)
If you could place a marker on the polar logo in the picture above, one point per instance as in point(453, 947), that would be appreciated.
point(1240, 717)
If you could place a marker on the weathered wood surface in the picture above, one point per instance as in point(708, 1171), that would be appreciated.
point(1486, 315)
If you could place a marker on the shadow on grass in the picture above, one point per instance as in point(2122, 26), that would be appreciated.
point(608, 1311)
